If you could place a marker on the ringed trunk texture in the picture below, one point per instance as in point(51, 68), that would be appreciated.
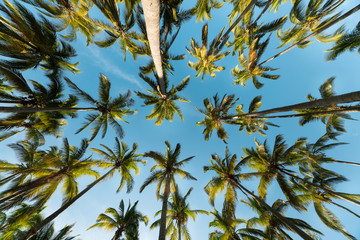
point(50, 218)
point(344, 98)
point(162, 231)
point(152, 21)
point(289, 224)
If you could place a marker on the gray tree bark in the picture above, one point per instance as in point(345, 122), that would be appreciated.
point(152, 21)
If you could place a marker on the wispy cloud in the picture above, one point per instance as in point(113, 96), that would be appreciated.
point(112, 68)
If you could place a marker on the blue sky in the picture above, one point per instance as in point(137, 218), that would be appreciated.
point(302, 71)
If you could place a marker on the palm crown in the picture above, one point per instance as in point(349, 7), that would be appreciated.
point(109, 109)
point(164, 104)
point(73, 16)
point(125, 221)
point(35, 124)
point(207, 56)
point(30, 42)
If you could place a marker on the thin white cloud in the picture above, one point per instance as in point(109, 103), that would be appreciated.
point(112, 68)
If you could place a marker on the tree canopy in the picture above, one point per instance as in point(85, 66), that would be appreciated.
point(271, 83)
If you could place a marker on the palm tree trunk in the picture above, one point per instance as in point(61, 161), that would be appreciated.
point(162, 231)
point(345, 15)
point(19, 190)
point(152, 21)
point(45, 109)
point(263, 11)
point(179, 230)
point(337, 111)
point(50, 218)
point(223, 39)
point(344, 98)
point(322, 188)
point(289, 224)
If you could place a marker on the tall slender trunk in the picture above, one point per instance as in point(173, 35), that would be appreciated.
point(322, 188)
point(344, 98)
point(288, 223)
point(45, 109)
point(345, 15)
point(337, 111)
point(23, 188)
point(162, 231)
point(152, 21)
point(179, 230)
point(223, 39)
point(263, 11)
point(50, 218)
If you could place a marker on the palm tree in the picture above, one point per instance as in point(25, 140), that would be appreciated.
point(314, 153)
point(310, 20)
point(267, 163)
point(73, 16)
point(19, 220)
point(226, 225)
point(214, 114)
point(274, 228)
point(23, 218)
point(172, 17)
point(333, 122)
point(124, 221)
point(207, 56)
point(228, 177)
point(30, 163)
point(202, 9)
point(38, 96)
point(246, 33)
point(319, 30)
point(64, 165)
point(29, 42)
point(275, 165)
point(349, 41)
point(217, 112)
point(315, 108)
point(122, 160)
point(319, 199)
point(169, 165)
point(167, 40)
point(251, 69)
point(119, 30)
point(109, 109)
point(178, 214)
point(247, 11)
point(48, 233)
point(151, 10)
point(164, 104)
